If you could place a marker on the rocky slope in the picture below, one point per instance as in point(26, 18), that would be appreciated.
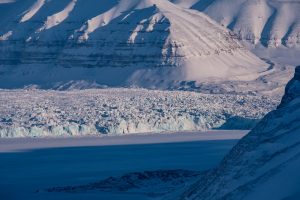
point(148, 43)
point(152, 184)
point(272, 23)
point(264, 164)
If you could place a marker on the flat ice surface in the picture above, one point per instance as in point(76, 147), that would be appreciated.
point(27, 165)
point(21, 144)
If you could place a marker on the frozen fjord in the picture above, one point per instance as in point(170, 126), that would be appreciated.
point(60, 163)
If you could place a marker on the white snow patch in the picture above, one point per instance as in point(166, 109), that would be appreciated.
point(6, 36)
point(7, 1)
point(59, 17)
point(33, 10)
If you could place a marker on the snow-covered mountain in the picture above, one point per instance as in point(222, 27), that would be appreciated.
point(270, 22)
point(265, 163)
point(148, 43)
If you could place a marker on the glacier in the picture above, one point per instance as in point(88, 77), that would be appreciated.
point(40, 113)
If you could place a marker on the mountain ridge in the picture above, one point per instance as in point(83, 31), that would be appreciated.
point(272, 23)
point(163, 44)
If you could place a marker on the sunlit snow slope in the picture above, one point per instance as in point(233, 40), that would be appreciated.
point(148, 43)
point(270, 22)
point(265, 163)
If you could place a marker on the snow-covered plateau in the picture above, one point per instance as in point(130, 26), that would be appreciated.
point(35, 113)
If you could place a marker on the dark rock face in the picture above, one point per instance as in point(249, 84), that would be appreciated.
point(151, 183)
point(292, 90)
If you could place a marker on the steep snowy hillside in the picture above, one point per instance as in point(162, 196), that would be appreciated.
point(265, 163)
point(149, 43)
point(270, 22)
